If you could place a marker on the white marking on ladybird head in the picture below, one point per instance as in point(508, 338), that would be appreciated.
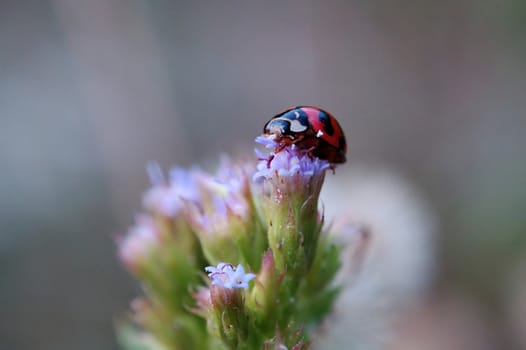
point(319, 134)
point(297, 126)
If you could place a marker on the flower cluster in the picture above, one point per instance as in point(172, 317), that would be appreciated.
point(262, 219)
point(286, 164)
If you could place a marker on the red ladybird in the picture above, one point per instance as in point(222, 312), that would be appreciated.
point(311, 129)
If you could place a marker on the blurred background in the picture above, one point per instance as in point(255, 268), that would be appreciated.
point(90, 91)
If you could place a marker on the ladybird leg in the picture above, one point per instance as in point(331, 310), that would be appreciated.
point(280, 148)
point(298, 138)
point(269, 160)
point(309, 150)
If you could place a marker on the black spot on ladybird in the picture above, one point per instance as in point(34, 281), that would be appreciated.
point(326, 121)
point(341, 142)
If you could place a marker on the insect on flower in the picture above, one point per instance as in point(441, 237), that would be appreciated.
point(311, 129)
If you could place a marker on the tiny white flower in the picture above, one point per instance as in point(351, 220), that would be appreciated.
point(221, 268)
point(228, 276)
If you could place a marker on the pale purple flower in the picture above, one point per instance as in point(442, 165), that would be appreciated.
point(167, 197)
point(165, 200)
point(290, 173)
point(267, 141)
point(138, 242)
point(227, 276)
point(155, 174)
point(223, 197)
point(229, 187)
point(289, 162)
point(185, 180)
point(203, 301)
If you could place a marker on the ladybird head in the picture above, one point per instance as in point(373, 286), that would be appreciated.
point(278, 127)
point(289, 123)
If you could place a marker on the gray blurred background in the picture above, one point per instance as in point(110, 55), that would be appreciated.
point(92, 90)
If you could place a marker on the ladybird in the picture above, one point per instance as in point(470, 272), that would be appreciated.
point(310, 128)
